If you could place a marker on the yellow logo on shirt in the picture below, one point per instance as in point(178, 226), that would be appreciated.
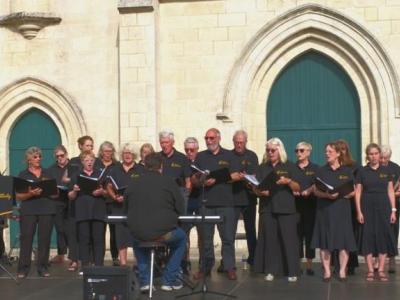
point(134, 176)
point(310, 173)
point(383, 175)
point(281, 172)
point(175, 165)
point(5, 196)
point(246, 162)
point(223, 163)
point(343, 177)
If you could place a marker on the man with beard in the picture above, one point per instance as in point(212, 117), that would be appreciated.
point(219, 202)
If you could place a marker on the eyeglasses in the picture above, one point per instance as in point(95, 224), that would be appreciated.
point(190, 149)
point(210, 138)
point(60, 155)
point(270, 150)
point(301, 150)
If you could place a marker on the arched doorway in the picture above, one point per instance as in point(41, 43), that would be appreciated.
point(33, 128)
point(313, 99)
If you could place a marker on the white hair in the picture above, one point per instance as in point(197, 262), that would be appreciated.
point(281, 148)
point(386, 151)
point(166, 134)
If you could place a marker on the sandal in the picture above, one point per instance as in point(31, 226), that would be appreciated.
point(382, 276)
point(21, 275)
point(73, 267)
point(370, 276)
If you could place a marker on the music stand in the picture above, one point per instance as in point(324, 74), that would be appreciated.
point(1, 263)
point(204, 288)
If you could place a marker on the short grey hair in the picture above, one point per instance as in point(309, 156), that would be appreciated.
point(31, 151)
point(239, 132)
point(128, 148)
point(166, 134)
point(191, 140)
point(386, 151)
point(304, 144)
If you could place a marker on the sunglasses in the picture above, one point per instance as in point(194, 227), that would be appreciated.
point(271, 150)
point(300, 150)
point(60, 155)
point(209, 138)
point(190, 149)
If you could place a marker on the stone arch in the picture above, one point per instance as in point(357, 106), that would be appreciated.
point(313, 27)
point(24, 94)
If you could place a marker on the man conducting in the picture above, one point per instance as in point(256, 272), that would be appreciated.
point(152, 204)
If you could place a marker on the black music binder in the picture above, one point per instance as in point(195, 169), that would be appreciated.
point(119, 189)
point(48, 186)
point(343, 189)
point(6, 195)
point(268, 183)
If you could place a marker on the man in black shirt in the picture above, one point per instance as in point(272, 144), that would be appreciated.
point(219, 202)
point(245, 201)
point(175, 163)
point(153, 204)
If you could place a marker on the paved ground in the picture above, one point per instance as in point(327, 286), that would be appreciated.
point(64, 285)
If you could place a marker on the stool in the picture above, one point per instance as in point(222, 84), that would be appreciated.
point(152, 245)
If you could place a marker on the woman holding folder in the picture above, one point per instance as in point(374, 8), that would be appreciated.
point(119, 178)
point(277, 251)
point(376, 212)
point(36, 211)
point(90, 210)
point(333, 228)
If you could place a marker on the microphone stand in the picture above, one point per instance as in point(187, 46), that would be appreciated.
point(204, 288)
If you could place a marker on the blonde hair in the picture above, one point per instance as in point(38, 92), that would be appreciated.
point(109, 145)
point(281, 149)
point(87, 153)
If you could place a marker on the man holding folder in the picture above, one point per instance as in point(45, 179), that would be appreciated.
point(218, 192)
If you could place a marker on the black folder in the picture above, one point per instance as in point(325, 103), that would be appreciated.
point(221, 175)
point(6, 192)
point(48, 186)
point(343, 189)
point(88, 184)
point(119, 189)
point(268, 183)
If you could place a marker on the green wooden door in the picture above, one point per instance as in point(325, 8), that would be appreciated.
point(314, 100)
point(34, 128)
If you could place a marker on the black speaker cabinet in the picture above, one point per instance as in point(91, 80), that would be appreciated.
point(110, 283)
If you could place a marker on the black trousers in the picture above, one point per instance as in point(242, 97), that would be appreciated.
point(226, 232)
point(72, 233)
point(113, 239)
point(305, 229)
point(91, 232)
point(60, 223)
point(282, 243)
point(28, 225)
point(249, 219)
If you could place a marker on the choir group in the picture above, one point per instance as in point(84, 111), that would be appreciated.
point(343, 208)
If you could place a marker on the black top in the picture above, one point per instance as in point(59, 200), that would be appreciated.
point(88, 207)
point(307, 175)
point(394, 169)
point(217, 194)
point(58, 172)
point(98, 164)
point(281, 199)
point(246, 162)
point(176, 167)
point(336, 177)
point(122, 177)
point(374, 181)
point(37, 205)
point(152, 204)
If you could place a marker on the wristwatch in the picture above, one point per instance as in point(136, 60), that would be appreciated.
point(394, 209)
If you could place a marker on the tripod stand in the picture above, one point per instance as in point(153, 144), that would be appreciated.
point(204, 288)
point(3, 225)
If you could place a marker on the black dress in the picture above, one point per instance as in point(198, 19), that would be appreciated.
point(376, 234)
point(333, 228)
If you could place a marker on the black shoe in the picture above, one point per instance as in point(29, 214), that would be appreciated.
point(115, 262)
point(221, 268)
point(351, 271)
point(310, 272)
